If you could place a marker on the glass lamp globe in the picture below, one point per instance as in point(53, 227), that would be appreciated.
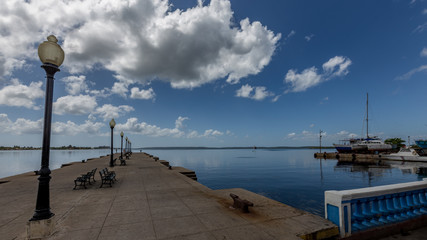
point(112, 123)
point(50, 52)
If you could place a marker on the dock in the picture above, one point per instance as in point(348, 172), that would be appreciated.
point(362, 158)
point(150, 201)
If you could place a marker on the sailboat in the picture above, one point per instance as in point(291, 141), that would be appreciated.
point(363, 145)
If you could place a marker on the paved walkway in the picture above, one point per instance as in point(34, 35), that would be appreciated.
point(149, 201)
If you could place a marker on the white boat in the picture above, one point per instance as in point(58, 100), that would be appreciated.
point(406, 154)
point(374, 144)
point(363, 145)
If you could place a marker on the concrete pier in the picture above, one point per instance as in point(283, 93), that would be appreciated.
point(150, 201)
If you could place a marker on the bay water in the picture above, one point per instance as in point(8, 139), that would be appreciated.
point(291, 176)
point(20, 161)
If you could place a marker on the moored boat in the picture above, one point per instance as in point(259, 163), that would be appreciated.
point(421, 143)
point(407, 154)
point(363, 145)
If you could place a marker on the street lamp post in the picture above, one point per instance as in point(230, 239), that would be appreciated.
point(121, 146)
point(52, 56)
point(126, 148)
point(112, 124)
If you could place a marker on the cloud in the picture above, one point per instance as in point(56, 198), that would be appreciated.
point(290, 135)
point(276, 98)
point(25, 126)
point(291, 34)
point(212, 133)
point(256, 93)
point(179, 123)
point(425, 11)
point(74, 105)
point(71, 129)
point(309, 77)
point(345, 134)
point(136, 127)
point(142, 40)
point(420, 28)
point(121, 87)
point(309, 37)
point(108, 111)
point(142, 94)
point(337, 66)
point(132, 125)
point(423, 52)
point(75, 84)
point(19, 95)
point(409, 74)
point(301, 81)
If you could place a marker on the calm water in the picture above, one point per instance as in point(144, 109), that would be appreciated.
point(16, 162)
point(292, 177)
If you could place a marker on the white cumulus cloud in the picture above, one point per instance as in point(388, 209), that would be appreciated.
point(337, 66)
point(310, 77)
point(135, 93)
point(423, 52)
point(257, 93)
point(19, 95)
point(74, 105)
point(75, 84)
point(108, 111)
point(140, 40)
point(179, 131)
point(23, 126)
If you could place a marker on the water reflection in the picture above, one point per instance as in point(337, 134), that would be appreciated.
point(293, 177)
point(20, 161)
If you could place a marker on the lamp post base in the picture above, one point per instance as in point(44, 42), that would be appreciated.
point(40, 229)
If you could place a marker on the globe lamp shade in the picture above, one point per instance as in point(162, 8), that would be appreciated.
point(50, 52)
point(112, 123)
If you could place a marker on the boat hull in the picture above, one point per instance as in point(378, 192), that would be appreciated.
point(421, 143)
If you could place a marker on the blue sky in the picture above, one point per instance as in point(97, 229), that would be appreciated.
point(215, 73)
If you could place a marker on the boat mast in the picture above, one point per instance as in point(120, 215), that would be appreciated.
point(367, 116)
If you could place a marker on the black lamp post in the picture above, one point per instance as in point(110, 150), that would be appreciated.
point(126, 148)
point(121, 146)
point(112, 125)
point(52, 56)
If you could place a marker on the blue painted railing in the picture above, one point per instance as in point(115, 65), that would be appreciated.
point(365, 208)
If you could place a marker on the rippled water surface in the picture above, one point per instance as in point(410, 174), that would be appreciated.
point(292, 177)
point(16, 162)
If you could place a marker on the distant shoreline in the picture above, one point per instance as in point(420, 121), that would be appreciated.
point(163, 148)
point(213, 148)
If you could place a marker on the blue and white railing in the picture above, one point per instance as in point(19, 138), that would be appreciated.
point(365, 208)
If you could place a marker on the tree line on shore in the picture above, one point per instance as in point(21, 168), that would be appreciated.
point(69, 147)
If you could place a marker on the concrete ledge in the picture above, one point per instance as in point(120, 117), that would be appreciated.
point(269, 214)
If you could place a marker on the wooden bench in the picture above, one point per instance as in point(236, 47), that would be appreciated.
point(241, 203)
point(106, 177)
